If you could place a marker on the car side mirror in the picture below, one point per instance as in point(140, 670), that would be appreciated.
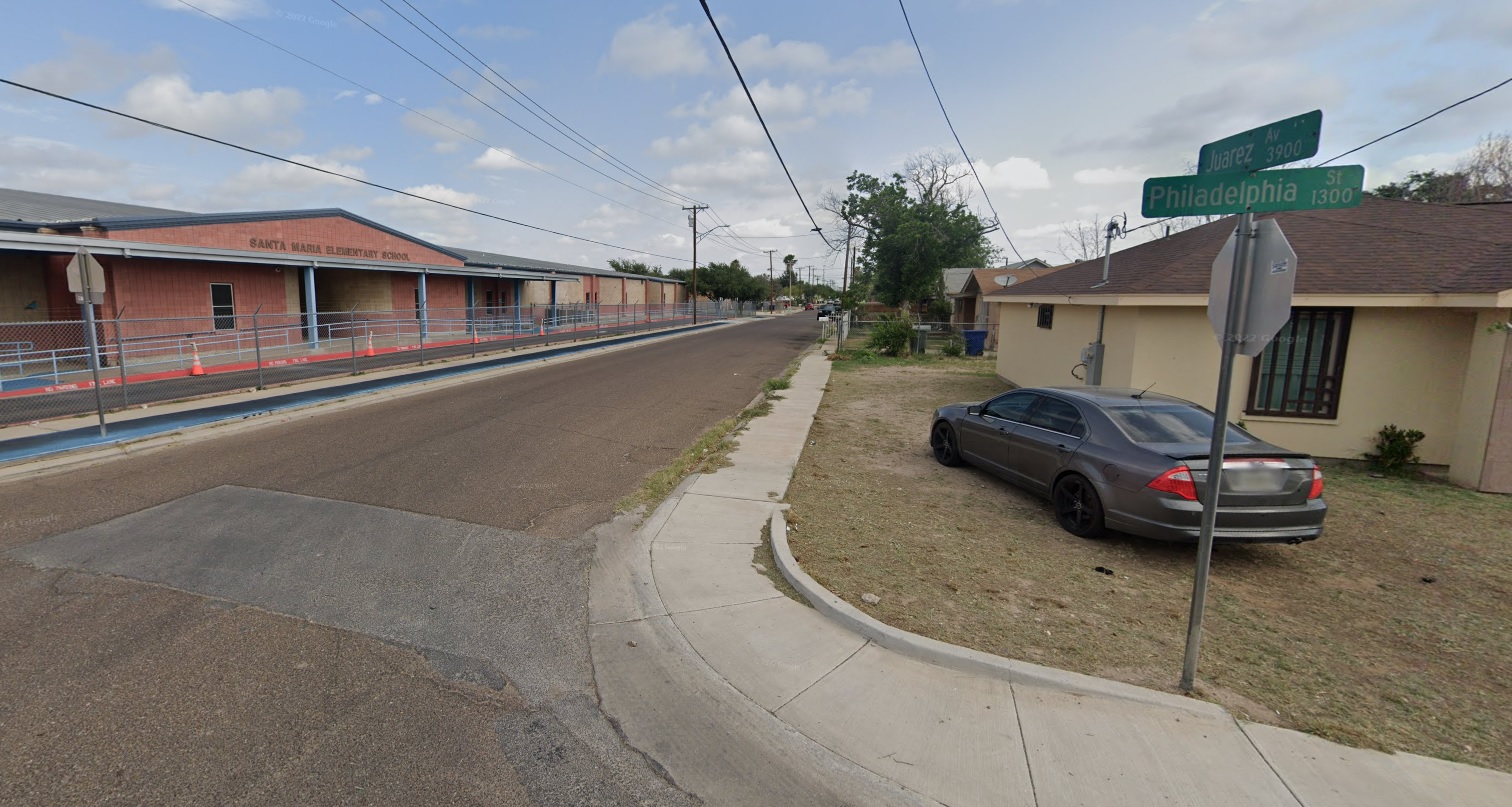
point(974, 409)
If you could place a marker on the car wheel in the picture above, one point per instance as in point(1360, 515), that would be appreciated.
point(943, 441)
point(1078, 508)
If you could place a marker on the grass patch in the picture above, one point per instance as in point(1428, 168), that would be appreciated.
point(1392, 631)
point(710, 452)
point(772, 385)
point(763, 557)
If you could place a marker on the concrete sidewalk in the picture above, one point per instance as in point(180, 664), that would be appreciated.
point(689, 640)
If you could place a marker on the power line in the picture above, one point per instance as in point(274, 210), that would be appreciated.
point(328, 172)
point(1496, 86)
point(757, 110)
point(576, 136)
point(494, 109)
point(507, 93)
point(957, 137)
point(414, 111)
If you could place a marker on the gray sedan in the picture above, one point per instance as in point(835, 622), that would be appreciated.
point(1133, 461)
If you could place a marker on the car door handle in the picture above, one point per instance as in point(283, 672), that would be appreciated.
point(1002, 430)
point(1062, 448)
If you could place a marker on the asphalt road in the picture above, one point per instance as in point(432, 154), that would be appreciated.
point(379, 605)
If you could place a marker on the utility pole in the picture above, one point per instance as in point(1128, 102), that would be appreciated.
point(844, 279)
point(693, 223)
point(771, 283)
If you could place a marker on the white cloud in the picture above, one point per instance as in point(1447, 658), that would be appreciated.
point(271, 183)
point(495, 32)
point(91, 64)
point(712, 138)
point(372, 98)
point(259, 114)
point(606, 219)
point(1014, 174)
point(496, 159)
point(652, 46)
point(743, 168)
point(672, 240)
point(447, 128)
point(1038, 232)
point(759, 53)
point(345, 94)
point(759, 228)
point(1109, 176)
point(56, 167)
point(229, 9)
point(350, 153)
point(432, 222)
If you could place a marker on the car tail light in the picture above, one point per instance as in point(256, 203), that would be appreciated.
point(1178, 481)
point(1317, 485)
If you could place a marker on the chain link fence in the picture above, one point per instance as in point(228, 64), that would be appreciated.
point(49, 370)
point(932, 336)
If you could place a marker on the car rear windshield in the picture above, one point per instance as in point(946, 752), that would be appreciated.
point(1169, 423)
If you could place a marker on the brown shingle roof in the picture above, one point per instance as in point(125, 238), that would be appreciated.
point(1384, 246)
point(984, 281)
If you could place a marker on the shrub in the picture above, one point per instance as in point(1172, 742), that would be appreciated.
point(955, 346)
point(892, 336)
point(1395, 449)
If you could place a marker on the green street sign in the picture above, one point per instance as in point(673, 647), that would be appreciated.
point(1258, 192)
point(1276, 143)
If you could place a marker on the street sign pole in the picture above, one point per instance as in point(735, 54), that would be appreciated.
point(93, 342)
point(1239, 289)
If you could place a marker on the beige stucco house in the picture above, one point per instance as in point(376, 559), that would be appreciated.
point(967, 289)
point(1395, 320)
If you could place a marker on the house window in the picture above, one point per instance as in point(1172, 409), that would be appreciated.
point(1046, 316)
point(1299, 373)
point(222, 307)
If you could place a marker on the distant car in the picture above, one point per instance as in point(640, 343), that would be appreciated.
point(808, 306)
point(828, 310)
point(1133, 461)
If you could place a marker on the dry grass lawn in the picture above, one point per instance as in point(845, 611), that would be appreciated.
point(1392, 631)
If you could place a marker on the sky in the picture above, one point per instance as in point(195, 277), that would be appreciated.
point(1065, 108)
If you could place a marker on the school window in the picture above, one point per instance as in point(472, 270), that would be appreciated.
point(1300, 372)
point(222, 307)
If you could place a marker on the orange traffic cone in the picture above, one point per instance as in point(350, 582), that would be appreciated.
point(475, 337)
point(543, 328)
point(196, 368)
point(370, 345)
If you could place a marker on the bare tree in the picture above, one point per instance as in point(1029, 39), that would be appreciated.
point(938, 176)
point(1488, 169)
point(1080, 240)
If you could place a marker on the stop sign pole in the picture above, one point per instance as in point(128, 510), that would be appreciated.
point(1238, 300)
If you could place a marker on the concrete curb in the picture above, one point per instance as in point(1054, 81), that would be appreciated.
point(959, 658)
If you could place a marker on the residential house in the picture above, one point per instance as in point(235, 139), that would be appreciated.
point(1398, 318)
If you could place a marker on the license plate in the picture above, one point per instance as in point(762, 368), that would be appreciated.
point(1250, 479)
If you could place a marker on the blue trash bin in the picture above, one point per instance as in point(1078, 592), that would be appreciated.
point(976, 342)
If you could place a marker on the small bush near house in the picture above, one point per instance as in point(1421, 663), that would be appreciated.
point(891, 336)
point(954, 346)
point(1395, 449)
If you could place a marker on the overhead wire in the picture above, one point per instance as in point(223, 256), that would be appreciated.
point(1362, 146)
point(571, 133)
point(762, 120)
point(1003, 229)
point(412, 110)
point(369, 183)
point(497, 111)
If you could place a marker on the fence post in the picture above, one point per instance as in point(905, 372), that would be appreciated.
point(257, 346)
point(121, 357)
point(352, 332)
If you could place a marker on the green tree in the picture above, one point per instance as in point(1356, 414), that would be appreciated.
point(1427, 186)
point(915, 224)
point(630, 267)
